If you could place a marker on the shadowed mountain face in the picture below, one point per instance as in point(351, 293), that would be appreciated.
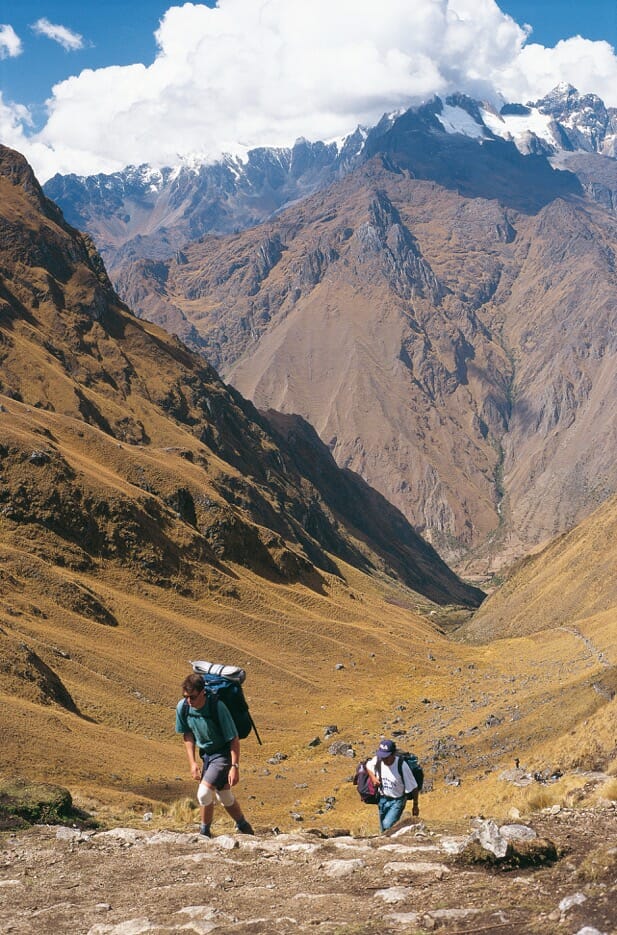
point(488, 168)
point(119, 444)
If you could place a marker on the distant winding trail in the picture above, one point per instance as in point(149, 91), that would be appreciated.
point(593, 649)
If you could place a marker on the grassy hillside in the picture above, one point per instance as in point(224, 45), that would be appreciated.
point(92, 661)
point(149, 515)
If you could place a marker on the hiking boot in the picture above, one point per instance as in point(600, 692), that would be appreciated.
point(205, 831)
point(244, 827)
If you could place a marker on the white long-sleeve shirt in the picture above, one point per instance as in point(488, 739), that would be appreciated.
point(392, 785)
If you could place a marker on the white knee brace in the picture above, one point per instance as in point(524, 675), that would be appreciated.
point(226, 797)
point(205, 794)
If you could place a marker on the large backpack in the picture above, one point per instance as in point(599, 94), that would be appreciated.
point(366, 789)
point(225, 683)
point(414, 765)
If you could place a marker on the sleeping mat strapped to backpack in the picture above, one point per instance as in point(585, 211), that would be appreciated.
point(225, 682)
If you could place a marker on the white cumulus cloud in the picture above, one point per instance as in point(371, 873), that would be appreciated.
point(69, 40)
point(10, 43)
point(263, 72)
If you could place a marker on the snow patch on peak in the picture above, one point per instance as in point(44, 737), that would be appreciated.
point(455, 119)
point(358, 137)
point(518, 127)
point(190, 163)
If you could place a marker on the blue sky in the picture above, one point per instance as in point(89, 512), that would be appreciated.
point(114, 32)
point(553, 20)
point(262, 72)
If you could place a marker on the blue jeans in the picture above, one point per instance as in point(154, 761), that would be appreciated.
point(390, 810)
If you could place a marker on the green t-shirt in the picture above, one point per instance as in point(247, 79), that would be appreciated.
point(212, 726)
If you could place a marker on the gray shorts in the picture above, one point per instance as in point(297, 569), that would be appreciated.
point(216, 769)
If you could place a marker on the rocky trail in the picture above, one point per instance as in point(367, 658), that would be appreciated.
point(128, 881)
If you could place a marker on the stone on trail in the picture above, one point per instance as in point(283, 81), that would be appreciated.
point(226, 841)
point(416, 866)
point(394, 894)
point(342, 868)
point(130, 927)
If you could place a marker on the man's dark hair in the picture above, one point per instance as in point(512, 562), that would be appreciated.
point(193, 683)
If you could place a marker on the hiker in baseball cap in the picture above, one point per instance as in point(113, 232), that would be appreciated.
point(395, 780)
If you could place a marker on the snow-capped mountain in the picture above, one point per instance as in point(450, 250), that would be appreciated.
point(143, 211)
point(563, 120)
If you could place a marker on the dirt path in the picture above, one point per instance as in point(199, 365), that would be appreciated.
point(131, 881)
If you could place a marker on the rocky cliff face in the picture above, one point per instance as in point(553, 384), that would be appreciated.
point(452, 350)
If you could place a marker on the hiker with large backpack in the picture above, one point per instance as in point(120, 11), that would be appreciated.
point(393, 777)
point(208, 728)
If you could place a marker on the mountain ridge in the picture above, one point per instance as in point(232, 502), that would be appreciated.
point(93, 361)
point(236, 192)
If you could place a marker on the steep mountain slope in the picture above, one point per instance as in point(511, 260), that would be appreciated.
point(453, 351)
point(471, 378)
point(485, 435)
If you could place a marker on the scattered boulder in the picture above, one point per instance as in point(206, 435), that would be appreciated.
point(24, 803)
point(516, 846)
point(277, 758)
point(576, 899)
point(341, 748)
point(517, 776)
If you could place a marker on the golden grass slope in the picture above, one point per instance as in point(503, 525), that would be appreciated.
point(93, 649)
point(569, 584)
point(92, 654)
